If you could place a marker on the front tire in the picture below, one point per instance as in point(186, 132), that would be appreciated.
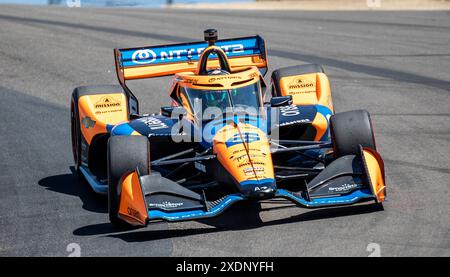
point(125, 154)
point(75, 131)
point(349, 130)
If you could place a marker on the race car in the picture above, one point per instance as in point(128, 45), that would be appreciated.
point(223, 139)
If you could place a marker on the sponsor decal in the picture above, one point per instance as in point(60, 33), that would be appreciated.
point(253, 75)
point(245, 159)
point(165, 205)
point(179, 53)
point(248, 171)
point(188, 80)
point(221, 78)
point(241, 157)
point(143, 56)
point(289, 110)
point(133, 213)
point(88, 122)
point(299, 83)
point(245, 137)
point(154, 123)
point(245, 164)
point(295, 122)
point(107, 102)
point(238, 151)
point(344, 187)
point(256, 170)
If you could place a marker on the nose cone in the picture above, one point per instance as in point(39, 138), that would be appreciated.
point(244, 152)
point(262, 189)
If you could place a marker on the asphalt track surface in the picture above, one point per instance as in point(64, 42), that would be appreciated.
point(394, 64)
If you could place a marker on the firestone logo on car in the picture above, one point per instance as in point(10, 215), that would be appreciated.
point(147, 56)
point(165, 205)
point(344, 187)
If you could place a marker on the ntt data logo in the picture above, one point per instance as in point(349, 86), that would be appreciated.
point(143, 56)
point(147, 56)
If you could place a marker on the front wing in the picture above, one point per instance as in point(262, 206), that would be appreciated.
point(347, 180)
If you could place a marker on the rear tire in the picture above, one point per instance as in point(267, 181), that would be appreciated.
point(349, 130)
point(125, 153)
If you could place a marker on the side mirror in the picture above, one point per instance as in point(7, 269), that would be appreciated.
point(173, 111)
point(280, 101)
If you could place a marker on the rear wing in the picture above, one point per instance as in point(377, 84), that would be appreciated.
point(163, 60)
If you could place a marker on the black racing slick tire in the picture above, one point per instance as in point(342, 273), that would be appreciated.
point(349, 130)
point(75, 131)
point(125, 154)
point(292, 71)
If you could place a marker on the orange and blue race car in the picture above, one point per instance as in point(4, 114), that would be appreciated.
point(223, 139)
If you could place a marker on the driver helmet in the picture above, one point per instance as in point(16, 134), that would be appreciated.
point(216, 99)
